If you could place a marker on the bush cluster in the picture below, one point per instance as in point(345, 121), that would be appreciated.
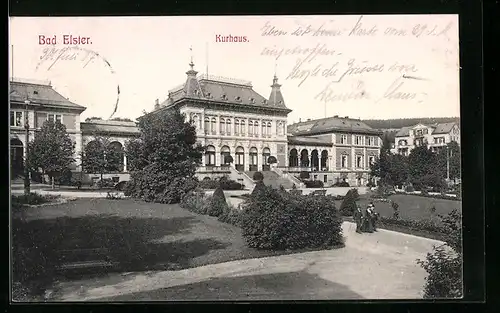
point(348, 204)
point(444, 263)
point(31, 199)
point(155, 186)
point(419, 225)
point(278, 220)
point(196, 201)
point(313, 183)
point(230, 215)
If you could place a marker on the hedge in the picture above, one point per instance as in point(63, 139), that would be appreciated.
point(276, 220)
point(226, 184)
point(313, 183)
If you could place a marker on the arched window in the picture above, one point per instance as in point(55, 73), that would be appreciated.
point(196, 121)
point(115, 157)
point(256, 128)
point(210, 156)
point(324, 160)
point(224, 151)
point(222, 126)
point(236, 127)
point(293, 159)
point(264, 129)
point(269, 129)
point(266, 153)
point(229, 131)
point(207, 125)
point(243, 129)
point(240, 159)
point(214, 126)
point(344, 161)
point(250, 128)
point(253, 159)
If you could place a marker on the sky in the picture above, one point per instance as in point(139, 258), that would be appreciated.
point(368, 67)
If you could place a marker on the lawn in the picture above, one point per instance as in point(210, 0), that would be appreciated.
point(412, 207)
point(131, 235)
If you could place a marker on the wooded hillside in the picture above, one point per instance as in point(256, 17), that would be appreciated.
point(404, 122)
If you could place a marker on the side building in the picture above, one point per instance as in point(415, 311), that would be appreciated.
point(32, 103)
point(435, 136)
point(333, 149)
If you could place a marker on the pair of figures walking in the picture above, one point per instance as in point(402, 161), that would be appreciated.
point(366, 221)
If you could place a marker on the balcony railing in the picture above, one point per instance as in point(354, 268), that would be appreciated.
point(214, 169)
point(303, 169)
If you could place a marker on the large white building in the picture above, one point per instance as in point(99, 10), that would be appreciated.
point(435, 136)
point(231, 119)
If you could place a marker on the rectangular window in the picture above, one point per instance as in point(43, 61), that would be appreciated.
point(371, 160)
point(344, 161)
point(343, 139)
point(54, 118)
point(325, 178)
point(359, 161)
point(358, 140)
point(16, 118)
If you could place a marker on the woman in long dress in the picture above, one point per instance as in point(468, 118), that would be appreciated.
point(373, 215)
point(367, 226)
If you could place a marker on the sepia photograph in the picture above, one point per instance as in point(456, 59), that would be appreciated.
point(235, 158)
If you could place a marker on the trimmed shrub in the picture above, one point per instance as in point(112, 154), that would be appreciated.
point(218, 203)
point(258, 176)
point(259, 186)
point(314, 184)
point(276, 220)
point(348, 205)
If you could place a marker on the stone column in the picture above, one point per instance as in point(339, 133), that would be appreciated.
point(246, 158)
point(217, 127)
point(124, 162)
point(218, 159)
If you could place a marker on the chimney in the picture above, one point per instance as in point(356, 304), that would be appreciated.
point(157, 104)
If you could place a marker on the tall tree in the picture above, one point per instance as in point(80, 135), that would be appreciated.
point(52, 150)
point(166, 157)
point(101, 156)
point(424, 168)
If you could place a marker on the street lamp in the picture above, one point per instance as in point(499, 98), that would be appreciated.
point(27, 137)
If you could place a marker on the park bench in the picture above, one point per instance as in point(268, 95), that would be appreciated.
point(84, 259)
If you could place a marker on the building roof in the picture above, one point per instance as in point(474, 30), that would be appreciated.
point(222, 89)
point(310, 141)
point(443, 128)
point(112, 127)
point(331, 124)
point(39, 93)
point(438, 128)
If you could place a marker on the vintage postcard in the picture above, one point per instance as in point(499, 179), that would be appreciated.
point(235, 158)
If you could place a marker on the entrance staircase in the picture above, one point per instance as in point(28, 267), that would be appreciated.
point(273, 179)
